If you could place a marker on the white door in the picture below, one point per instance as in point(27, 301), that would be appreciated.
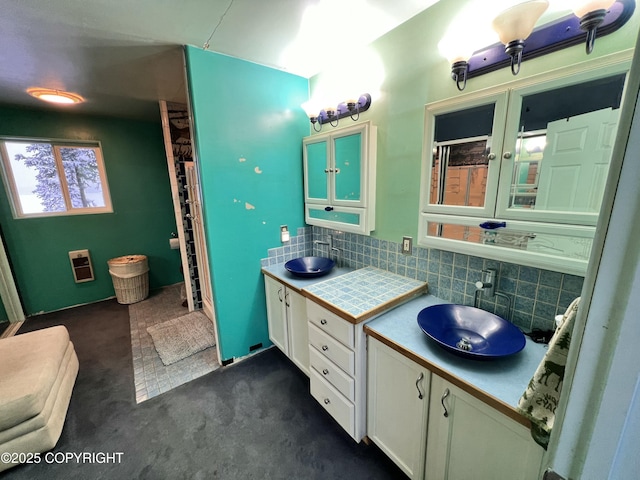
point(397, 407)
point(576, 159)
point(298, 329)
point(195, 210)
point(276, 314)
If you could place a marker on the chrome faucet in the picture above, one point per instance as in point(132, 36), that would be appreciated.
point(330, 249)
point(487, 287)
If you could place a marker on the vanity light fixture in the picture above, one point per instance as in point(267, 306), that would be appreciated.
point(516, 24)
point(591, 14)
point(352, 108)
point(54, 96)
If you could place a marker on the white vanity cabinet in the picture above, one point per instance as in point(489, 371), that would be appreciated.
point(287, 321)
point(435, 430)
point(468, 439)
point(397, 407)
point(340, 178)
point(338, 368)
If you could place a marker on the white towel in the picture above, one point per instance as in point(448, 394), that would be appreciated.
point(540, 399)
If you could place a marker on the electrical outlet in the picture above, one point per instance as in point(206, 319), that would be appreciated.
point(407, 245)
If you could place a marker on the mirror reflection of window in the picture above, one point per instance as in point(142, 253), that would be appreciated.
point(460, 164)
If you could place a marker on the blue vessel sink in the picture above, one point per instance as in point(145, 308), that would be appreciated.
point(470, 332)
point(309, 266)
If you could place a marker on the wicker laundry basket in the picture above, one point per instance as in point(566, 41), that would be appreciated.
point(130, 275)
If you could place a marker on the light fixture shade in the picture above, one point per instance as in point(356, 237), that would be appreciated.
point(584, 7)
point(456, 49)
point(517, 22)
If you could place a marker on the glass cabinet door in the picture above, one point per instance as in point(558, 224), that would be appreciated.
point(559, 140)
point(316, 165)
point(347, 154)
point(462, 167)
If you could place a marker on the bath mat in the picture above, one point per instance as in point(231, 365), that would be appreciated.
point(181, 337)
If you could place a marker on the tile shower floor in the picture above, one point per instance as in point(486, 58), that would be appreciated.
point(151, 376)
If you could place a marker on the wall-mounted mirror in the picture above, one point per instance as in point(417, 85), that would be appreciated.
point(532, 158)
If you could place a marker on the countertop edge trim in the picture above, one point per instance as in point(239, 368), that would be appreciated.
point(369, 314)
point(281, 280)
point(488, 399)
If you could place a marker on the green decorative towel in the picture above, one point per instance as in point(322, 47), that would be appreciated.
point(540, 399)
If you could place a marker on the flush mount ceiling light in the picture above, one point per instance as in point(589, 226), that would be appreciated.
point(516, 25)
point(54, 96)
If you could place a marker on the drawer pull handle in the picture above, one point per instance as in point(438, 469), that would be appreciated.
point(445, 395)
point(323, 321)
point(327, 401)
point(420, 377)
point(325, 372)
point(325, 348)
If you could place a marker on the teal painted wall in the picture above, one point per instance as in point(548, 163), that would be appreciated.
point(142, 221)
point(413, 74)
point(249, 128)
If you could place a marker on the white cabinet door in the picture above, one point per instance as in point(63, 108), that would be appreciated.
point(397, 407)
point(276, 314)
point(474, 440)
point(287, 321)
point(298, 330)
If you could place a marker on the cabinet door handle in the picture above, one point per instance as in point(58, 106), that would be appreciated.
point(280, 294)
point(327, 401)
point(326, 170)
point(491, 156)
point(328, 209)
point(323, 321)
point(325, 348)
point(337, 171)
point(506, 155)
point(420, 377)
point(445, 395)
point(325, 372)
point(286, 299)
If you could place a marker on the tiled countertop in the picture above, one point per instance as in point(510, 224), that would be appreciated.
point(298, 283)
point(364, 293)
point(498, 382)
point(355, 295)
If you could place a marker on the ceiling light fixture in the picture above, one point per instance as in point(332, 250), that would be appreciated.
point(54, 96)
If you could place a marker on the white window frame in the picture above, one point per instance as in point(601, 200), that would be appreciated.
point(12, 190)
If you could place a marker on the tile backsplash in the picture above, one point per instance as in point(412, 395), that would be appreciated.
point(537, 296)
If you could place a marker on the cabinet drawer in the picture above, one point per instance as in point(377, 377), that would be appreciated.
point(336, 377)
point(332, 349)
point(330, 323)
point(341, 409)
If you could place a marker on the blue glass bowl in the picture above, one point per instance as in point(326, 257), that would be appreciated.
point(309, 266)
point(471, 332)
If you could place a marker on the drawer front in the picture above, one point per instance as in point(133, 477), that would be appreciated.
point(330, 323)
point(341, 409)
point(345, 384)
point(332, 349)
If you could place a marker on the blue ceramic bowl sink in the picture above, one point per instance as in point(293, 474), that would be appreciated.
point(309, 266)
point(471, 332)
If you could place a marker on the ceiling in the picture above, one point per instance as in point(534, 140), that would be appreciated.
point(123, 56)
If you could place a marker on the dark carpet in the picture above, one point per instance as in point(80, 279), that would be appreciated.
point(252, 420)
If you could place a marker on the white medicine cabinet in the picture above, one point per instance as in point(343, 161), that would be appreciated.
point(340, 178)
point(518, 172)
